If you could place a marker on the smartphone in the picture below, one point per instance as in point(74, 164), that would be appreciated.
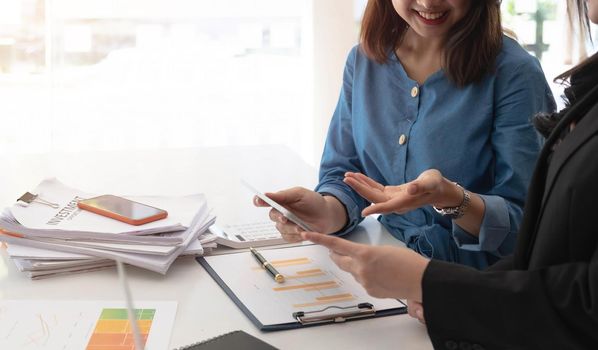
point(284, 211)
point(122, 209)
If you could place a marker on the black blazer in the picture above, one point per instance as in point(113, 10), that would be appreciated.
point(545, 296)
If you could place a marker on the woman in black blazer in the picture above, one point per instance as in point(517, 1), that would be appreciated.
point(545, 296)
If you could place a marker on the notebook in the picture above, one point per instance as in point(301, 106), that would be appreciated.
point(230, 341)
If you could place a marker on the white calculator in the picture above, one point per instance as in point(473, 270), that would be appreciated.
point(252, 234)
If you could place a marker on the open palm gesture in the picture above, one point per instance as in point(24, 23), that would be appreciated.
point(430, 188)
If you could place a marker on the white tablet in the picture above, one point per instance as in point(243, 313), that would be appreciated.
point(289, 215)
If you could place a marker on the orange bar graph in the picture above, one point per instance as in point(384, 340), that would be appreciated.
point(285, 263)
point(305, 286)
point(113, 330)
point(329, 299)
point(308, 272)
point(290, 262)
point(326, 286)
point(335, 297)
point(315, 274)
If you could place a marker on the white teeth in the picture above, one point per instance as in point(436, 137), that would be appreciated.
point(431, 15)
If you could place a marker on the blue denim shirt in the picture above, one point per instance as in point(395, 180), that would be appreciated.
point(479, 136)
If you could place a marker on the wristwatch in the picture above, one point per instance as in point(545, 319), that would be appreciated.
point(458, 211)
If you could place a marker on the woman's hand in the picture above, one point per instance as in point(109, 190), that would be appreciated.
point(430, 188)
point(322, 213)
point(384, 271)
point(416, 310)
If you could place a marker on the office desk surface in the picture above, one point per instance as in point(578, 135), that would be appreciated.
point(204, 310)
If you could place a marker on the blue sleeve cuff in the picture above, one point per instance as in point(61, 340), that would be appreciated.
point(494, 229)
point(353, 212)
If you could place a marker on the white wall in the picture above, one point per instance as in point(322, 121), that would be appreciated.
point(333, 35)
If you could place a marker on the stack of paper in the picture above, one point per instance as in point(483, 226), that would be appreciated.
point(46, 240)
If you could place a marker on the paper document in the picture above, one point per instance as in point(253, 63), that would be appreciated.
point(49, 235)
point(313, 283)
point(68, 217)
point(75, 325)
point(43, 263)
point(157, 263)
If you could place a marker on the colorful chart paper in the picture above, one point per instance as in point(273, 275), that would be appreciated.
point(91, 325)
point(113, 330)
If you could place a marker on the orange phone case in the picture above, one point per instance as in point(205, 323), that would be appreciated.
point(116, 216)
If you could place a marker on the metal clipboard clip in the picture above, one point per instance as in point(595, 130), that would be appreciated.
point(326, 316)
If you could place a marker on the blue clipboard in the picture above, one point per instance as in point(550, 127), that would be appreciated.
point(306, 319)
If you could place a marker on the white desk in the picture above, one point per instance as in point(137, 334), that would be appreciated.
point(204, 310)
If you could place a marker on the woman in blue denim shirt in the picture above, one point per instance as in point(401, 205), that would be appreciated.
point(433, 85)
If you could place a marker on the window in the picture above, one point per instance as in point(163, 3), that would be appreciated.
point(542, 27)
point(103, 75)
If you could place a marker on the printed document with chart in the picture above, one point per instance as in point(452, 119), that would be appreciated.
point(313, 285)
point(90, 325)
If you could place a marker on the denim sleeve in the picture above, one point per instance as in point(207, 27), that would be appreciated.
point(520, 93)
point(339, 154)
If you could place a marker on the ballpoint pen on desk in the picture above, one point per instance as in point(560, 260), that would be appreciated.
point(266, 265)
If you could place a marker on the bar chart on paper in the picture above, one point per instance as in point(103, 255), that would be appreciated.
point(91, 325)
point(113, 330)
point(312, 283)
point(313, 280)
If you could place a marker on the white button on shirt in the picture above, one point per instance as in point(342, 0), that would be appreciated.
point(414, 91)
point(402, 139)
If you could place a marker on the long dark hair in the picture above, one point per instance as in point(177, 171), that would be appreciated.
point(471, 46)
point(579, 79)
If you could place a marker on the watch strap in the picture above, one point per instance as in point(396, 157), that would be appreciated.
point(458, 211)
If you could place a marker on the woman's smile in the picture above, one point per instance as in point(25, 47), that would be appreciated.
point(432, 18)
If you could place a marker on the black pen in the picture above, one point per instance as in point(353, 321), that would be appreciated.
point(266, 265)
